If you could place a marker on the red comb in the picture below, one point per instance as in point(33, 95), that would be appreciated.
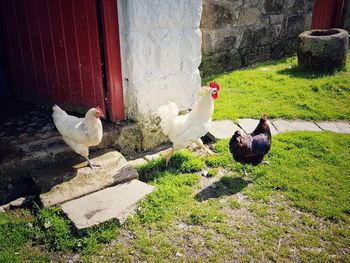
point(265, 116)
point(213, 85)
point(99, 109)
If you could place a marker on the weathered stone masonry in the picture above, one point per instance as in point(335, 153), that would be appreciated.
point(237, 33)
point(161, 53)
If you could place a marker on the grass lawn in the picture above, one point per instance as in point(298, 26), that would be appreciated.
point(283, 91)
point(296, 209)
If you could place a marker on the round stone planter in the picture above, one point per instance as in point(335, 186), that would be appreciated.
point(322, 50)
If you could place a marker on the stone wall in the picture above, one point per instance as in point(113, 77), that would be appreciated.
point(161, 53)
point(237, 33)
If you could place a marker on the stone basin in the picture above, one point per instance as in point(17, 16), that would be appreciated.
point(322, 49)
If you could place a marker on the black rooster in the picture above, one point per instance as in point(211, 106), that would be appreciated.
point(251, 149)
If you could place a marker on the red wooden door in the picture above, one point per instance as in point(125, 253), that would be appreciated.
point(53, 50)
point(326, 14)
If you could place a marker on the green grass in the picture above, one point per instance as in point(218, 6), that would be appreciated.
point(296, 209)
point(283, 91)
point(309, 168)
point(30, 236)
point(300, 201)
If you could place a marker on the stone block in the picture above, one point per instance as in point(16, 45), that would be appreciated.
point(216, 15)
point(18, 203)
point(249, 16)
point(340, 127)
point(284, 126)
point(126, 138)
point(81, 180)
point(207, 39)
point(137, 162)
point(221, 62)
point(255, 39)
point(282, 47)
point(249, 56)
point(113, 203)
point(274, 6)
point(222, 130)
point(295, 24)
point(295, 6)
point(151, 157)
point(276, 19)
point(249, 125)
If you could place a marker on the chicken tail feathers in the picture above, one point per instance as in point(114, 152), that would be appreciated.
point(167, 114)
point(57, 112)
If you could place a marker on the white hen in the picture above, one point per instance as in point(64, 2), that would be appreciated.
point(182, 130)
point(79, 133)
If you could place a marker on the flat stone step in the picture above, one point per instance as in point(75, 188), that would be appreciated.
point(80, 180)
point(137, 162)
point(29, 140)
point(340, 127)
point(113, 203)
point(284, 125)
point(222, 130)
point(249, 125)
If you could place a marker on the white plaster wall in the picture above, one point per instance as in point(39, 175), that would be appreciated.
point(161, 53)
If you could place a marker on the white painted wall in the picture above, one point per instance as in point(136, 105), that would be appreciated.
point(161, 52)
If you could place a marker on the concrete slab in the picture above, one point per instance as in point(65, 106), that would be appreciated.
point(158, 153)
point(284, 125)
point(222, 130)
point(249, 125)
point(80, 180)
point(137, 162)
point(340, 127)
point(115, 202)
point(151, 157)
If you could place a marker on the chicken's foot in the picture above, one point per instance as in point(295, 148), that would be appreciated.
point(199, 142)
point(265, 162)
point(90, 163)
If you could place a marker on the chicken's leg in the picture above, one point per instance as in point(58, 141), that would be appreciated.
point(90, 163)
point(199, 142)
point(168, 155)
point(244, 171)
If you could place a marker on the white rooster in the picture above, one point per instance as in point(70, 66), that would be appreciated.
point(79, 133)
point(182, 130)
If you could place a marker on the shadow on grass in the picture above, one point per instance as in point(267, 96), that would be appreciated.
point(227, 185)
point(297, 72)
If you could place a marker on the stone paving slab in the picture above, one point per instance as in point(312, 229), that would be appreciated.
point(284, 125)
point(18, 203)
point(82, 180)
point(159, 154)
point(137, 162)
point(222, 130)
point(249, 125)
point(340, 127)
point(115, 202)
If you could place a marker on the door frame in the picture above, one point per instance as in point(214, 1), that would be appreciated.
point(326, 14)
point(112, 59)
